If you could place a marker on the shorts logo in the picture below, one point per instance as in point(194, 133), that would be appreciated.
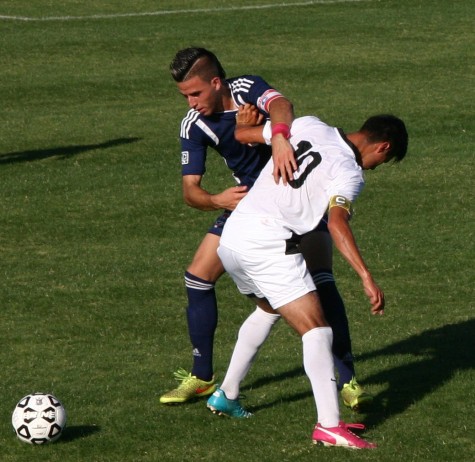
point(185, 158)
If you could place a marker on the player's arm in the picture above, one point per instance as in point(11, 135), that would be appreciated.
point(338, 224)
point(197, 197)
point(281, 113)
point(249, 126)
point(249, 130)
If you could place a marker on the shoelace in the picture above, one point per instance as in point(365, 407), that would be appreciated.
point(353, 384)
point(352, 426)
point(182, 375)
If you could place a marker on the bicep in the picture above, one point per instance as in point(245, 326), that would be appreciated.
point(191, 185)
point(191, 182)
point(282, 109)
point(338, 222)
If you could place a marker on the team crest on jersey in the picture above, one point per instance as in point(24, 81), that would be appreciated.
point(185, 157)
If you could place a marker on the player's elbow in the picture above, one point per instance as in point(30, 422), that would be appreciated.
point(187, 199)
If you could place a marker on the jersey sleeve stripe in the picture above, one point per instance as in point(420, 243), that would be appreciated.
point(187, 122)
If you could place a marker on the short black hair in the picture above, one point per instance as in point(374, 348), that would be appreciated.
point(387, 127)
point(184, 64)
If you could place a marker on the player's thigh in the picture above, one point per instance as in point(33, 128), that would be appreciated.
point(317, 249)
point(206, 263)
point(279, 278)
point(236, 266)
point(304, 313)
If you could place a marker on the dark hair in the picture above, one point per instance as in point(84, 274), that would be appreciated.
point(386, 127)
point(196, 61)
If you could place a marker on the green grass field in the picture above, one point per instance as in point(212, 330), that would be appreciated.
point(94, 235)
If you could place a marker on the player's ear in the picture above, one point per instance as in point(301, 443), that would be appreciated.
point(216, 82)
point(383, 147)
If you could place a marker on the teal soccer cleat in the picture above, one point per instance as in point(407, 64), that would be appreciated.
point(219, 404)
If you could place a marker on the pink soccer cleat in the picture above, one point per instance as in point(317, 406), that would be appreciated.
point(341, 436)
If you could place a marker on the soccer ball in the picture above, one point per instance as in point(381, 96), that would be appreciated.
point(39, 418)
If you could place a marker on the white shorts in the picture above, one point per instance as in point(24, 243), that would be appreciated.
point(280, 279)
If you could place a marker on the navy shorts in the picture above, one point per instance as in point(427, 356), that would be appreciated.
point(218, 225)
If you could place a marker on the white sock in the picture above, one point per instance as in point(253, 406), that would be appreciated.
point(252, 334)
point(318, 364)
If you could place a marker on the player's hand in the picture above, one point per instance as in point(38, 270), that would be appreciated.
point(248, 114)
point(375, 295)
point(230, 198)
point(284, 159)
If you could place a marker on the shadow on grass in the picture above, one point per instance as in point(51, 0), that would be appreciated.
point(433, 358)
point(262, 381)
point(61, 152)
point(76, 432)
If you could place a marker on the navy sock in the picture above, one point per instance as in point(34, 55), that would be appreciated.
point(202, 317)
point(335, 314)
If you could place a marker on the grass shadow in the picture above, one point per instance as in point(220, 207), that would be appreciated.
point(72, 433)
point(432, 358)
point(262, 381)
point(61, 152)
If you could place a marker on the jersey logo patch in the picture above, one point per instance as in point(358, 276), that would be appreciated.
point(185, 157)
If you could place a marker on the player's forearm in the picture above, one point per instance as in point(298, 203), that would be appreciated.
point(200, 199)
point(249, 134)
point(344, 241)
point(249, 125)
point(281, 111)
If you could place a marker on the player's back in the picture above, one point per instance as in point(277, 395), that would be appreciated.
point(326, 166)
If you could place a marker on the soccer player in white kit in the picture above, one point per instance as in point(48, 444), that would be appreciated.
point(258, 249)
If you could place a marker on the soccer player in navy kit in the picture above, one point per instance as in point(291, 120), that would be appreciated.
point(210, 123)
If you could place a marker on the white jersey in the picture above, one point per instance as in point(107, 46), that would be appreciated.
point(271, 214)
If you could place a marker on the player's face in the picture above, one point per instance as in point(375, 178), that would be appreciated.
point(201, 95)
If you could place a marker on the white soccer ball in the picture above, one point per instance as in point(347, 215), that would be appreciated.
point(39, 418)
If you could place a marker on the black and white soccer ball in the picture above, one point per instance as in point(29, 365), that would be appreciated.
point(39, 418)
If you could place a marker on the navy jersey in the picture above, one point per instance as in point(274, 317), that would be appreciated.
point(217, 131)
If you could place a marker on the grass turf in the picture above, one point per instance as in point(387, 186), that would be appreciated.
point(95, 236)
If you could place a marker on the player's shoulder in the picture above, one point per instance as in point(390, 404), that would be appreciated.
point(308, 120)
point(188, 122)
point(190, 117)
point(324, 137)
point(244, 83)
point(246, 79)
point(310, 125)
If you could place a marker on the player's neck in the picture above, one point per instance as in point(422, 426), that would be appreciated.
point(227, 100)
point(357, 143)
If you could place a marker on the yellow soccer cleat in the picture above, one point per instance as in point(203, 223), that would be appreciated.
point(354, 396)
point(189, 388)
